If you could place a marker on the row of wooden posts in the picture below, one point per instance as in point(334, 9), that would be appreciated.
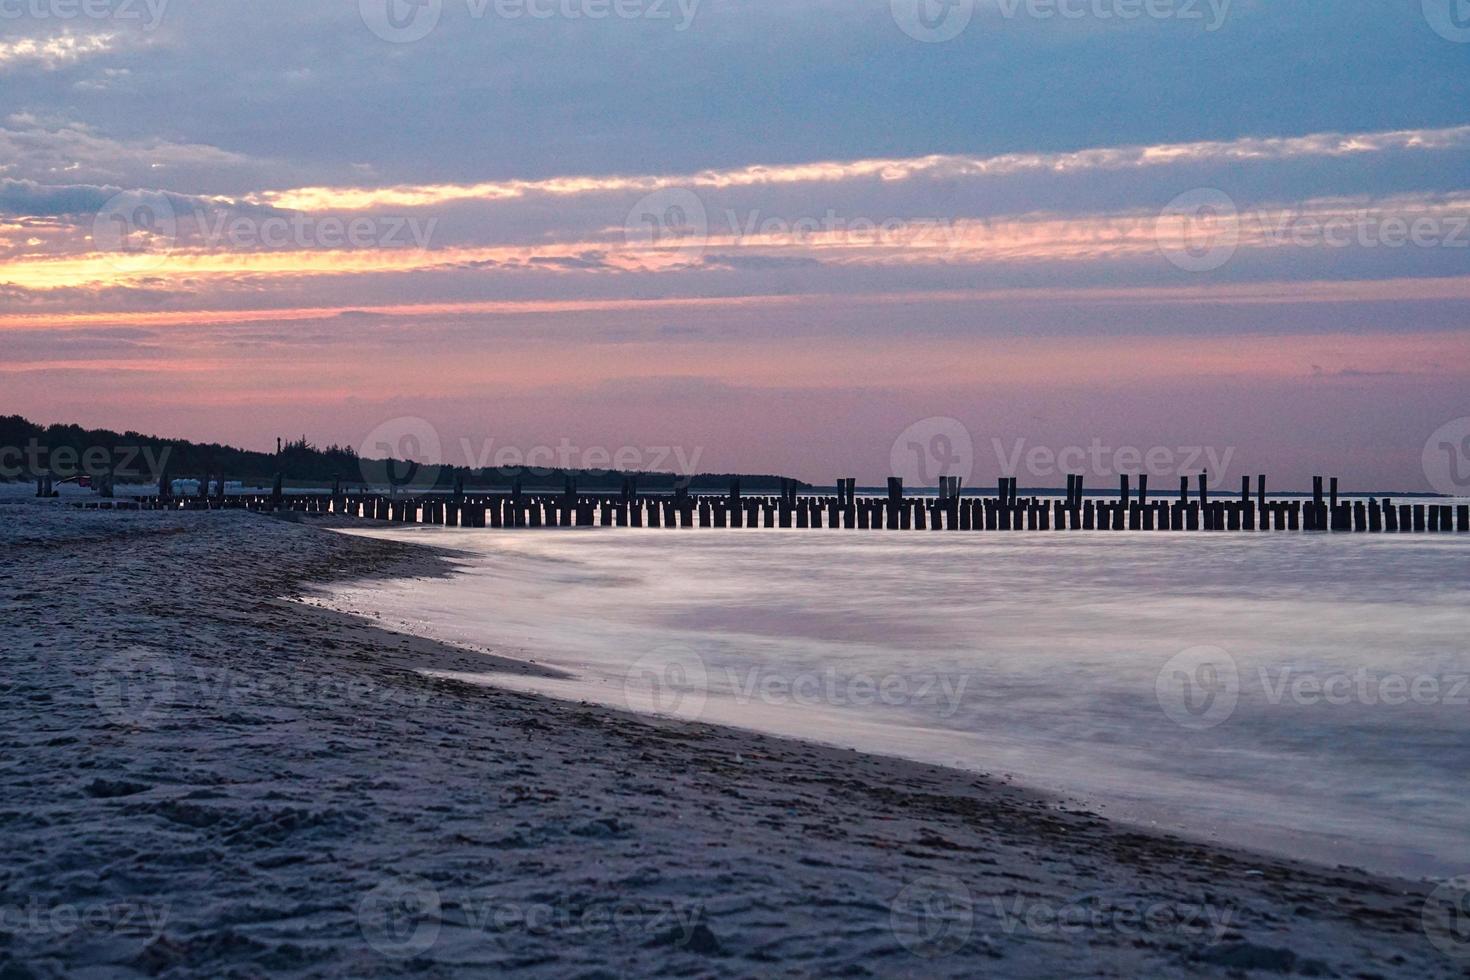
point(949, 509)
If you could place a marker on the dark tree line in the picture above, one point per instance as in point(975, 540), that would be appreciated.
point(29, 450)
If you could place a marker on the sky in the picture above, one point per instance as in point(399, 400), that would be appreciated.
point(859, 238)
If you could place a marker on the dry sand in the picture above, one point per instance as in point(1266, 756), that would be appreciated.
point(203, 777)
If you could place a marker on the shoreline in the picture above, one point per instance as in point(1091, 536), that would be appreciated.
point(326, 773)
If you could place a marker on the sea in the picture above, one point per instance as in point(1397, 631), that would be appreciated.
point(1306, 695)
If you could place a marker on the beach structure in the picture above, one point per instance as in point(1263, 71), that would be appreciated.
point(950, 508)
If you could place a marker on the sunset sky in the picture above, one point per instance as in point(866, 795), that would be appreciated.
point(775, 233)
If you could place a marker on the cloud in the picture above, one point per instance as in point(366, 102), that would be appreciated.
point(27, 198)
point(592, 259)
point(50, 345)
point(33, 149)
point(51, 53)
point(1351, 372)
point(934, 166)
point(732, 261)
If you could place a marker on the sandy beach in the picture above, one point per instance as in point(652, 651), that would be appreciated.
point(205, 777)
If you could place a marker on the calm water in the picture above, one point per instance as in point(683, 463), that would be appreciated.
point(1309, 695)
